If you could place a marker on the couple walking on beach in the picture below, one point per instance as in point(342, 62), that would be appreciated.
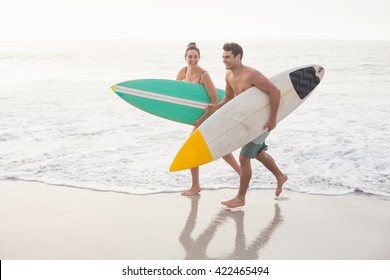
point(238, 79)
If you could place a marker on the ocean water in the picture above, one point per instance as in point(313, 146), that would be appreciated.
point(60, 123)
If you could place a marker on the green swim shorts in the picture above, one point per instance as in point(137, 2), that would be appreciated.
point(252, 149)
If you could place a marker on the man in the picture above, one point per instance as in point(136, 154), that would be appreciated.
point(239, 78)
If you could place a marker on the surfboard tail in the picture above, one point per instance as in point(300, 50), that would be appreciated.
point(193, 153)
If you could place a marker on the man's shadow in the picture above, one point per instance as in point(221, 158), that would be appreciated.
point(196, 248)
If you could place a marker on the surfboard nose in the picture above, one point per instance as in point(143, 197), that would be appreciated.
point(113, 88)
point(193, 153)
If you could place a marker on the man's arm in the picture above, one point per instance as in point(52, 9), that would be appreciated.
point(266, 86)
point(229, 95)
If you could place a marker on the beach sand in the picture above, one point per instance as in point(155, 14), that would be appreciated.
point(50, 222)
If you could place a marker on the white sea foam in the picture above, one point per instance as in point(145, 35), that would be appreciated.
point(60, 123)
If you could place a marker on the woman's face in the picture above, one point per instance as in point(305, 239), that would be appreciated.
point(192, 57)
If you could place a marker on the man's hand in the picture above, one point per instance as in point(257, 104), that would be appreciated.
point(270, 124)
point(211, 108)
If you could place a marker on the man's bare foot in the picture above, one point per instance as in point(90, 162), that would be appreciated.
point(235, 202)
point(280, 182)
point(192, 191)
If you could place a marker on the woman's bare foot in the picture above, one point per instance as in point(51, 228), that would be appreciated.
point(280, 182)
point(235, 202)
point(194, 190)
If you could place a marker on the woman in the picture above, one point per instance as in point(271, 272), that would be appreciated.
point(195, 74)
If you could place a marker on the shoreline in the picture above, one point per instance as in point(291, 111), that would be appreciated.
point(355, 192)
point(52, 222)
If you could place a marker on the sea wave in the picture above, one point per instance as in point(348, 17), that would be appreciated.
point(61, 124)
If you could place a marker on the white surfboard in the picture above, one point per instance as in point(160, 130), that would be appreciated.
point(242, 119)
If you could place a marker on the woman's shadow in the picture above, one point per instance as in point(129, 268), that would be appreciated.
point(196, 248)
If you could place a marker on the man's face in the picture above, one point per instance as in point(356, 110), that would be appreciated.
point(229, 60)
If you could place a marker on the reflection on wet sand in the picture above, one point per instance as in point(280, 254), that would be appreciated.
point(196, 248)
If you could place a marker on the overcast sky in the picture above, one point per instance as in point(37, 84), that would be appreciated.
point(196, 19)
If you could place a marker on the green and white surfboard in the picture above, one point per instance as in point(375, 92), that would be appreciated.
point(170, 99)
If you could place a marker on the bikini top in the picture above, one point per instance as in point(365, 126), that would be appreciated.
point(200, 76)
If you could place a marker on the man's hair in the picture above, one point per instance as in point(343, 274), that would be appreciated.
point(234, 48)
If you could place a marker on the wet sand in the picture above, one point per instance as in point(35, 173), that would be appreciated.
point(49, 222)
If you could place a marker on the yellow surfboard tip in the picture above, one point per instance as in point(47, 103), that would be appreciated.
point(113, 88)
point(193, 153)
